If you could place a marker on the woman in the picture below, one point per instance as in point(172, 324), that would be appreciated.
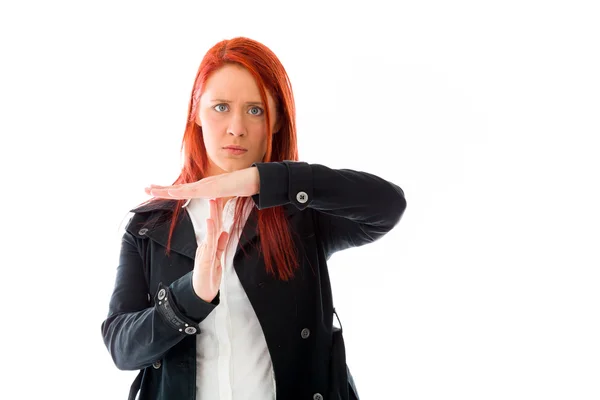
point(222, 289)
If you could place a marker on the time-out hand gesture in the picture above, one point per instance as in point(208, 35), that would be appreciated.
point(206, 277)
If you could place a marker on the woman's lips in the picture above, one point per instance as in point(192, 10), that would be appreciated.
point(235, 151)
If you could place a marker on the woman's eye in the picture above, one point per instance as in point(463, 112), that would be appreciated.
point(253, 110)
point(258, 110)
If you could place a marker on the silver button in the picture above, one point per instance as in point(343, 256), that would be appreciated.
point(143, 231)
point(317, 396)
point(302, 197)
point(190, 330)
point(161, 294)
point(156, 364)
point(305, 333)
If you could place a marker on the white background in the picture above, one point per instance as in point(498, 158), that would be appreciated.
point(485, 113)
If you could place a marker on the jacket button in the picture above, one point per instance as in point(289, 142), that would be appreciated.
point(143, 231)
point(302, 197)
point(156, 364)
point(305, 333)
point(317, 396)
point(190, 330)
point(161, 294)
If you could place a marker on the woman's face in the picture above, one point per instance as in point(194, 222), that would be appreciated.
point(232, 114)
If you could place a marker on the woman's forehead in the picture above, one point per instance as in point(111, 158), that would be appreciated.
point(231, 77)
point(233, 89)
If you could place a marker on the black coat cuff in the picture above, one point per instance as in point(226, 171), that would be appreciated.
point(284, 183)
point(179, 305)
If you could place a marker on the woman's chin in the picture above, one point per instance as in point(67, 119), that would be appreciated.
point(236, 165)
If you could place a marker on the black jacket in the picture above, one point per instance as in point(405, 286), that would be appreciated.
point(154, 313)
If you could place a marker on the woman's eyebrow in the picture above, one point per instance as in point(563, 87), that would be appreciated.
point(248, 102)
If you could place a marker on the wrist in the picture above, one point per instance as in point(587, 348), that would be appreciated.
point(257, 180)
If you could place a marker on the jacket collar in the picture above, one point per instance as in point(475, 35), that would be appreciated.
point(183, 240)
point(160, 204)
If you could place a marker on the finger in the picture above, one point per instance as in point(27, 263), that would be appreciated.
point(218, 273)
point(180, 191)
point(179, 194)
point(183, 185)
point(218, 231)
point(215, 215)
point(210, 242)
point(202, 260)
point(160, 189)
point(222, 244)
point(153, 186)
point(200, 250)
point(212, 211)
point(218, 215)
point(164, 193)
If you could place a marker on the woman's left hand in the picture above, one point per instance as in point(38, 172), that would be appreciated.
point(243, 183)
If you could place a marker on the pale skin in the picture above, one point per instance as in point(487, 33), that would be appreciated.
point(239, 121)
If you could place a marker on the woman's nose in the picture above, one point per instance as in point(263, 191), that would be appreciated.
point(236, 126)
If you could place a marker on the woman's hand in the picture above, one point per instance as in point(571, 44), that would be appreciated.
point(243, 183)
point(206, 277)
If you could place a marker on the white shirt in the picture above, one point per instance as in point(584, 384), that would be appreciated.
point(232, 358)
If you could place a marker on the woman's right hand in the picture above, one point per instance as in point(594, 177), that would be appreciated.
point(206, 277)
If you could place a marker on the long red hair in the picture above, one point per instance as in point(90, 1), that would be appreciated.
point(275, 237)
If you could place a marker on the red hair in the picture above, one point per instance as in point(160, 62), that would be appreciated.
point(270, 75)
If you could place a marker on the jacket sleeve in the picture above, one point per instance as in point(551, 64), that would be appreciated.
point(137, 333)
point(353, 207)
